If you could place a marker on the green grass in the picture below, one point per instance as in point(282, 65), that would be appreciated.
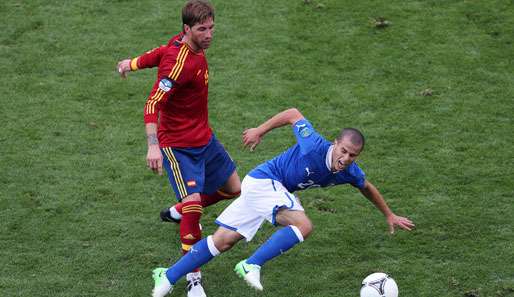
point(79, 210)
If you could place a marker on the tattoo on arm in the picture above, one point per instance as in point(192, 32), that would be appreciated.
point(152, 139)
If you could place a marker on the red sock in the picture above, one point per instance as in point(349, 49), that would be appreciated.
point(190, 231)
point(217, 196)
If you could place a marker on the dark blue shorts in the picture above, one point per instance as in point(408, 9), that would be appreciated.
point(202, 169)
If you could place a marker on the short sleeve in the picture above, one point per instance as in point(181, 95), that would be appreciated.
point(357, 176)
point(306, 136)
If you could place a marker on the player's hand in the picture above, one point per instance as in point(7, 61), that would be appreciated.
point(251, 138)
point(124, 67)
point(402, 222)
point(154, 159)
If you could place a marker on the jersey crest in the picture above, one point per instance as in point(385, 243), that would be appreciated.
point(304, 130)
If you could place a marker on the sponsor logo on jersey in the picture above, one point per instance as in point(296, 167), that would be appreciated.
point(165, 85)
point(309, 172)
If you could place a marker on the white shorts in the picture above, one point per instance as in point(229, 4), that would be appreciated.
point(260, 200)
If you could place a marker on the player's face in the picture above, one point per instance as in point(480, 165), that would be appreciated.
point(201, 34)
point(344, 153)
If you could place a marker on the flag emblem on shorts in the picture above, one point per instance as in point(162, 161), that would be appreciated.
point(191, 183)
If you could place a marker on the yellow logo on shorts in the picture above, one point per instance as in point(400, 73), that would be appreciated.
point(191, 183)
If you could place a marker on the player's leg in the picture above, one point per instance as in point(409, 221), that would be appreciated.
point(230, 190)
point(186, 175)
point(221, 179)
point(287, 212)
point(190, 234)
point(185, 169)
point(235, 223)
point(199, 254)
point(297, 227)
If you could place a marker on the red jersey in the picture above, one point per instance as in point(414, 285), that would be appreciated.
point(179, 98)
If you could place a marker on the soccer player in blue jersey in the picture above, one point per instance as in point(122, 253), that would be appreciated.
point(267, 194)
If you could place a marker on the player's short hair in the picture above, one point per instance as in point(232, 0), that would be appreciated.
point(196, 11)
point(356, 137)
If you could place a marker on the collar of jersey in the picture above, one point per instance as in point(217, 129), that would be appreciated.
point(200, 53)
point(328, 158)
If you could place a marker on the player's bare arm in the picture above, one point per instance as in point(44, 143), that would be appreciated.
point(154, 155)
point(252, 137)
point(371, 192)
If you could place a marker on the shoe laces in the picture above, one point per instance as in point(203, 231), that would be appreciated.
point(196, 281)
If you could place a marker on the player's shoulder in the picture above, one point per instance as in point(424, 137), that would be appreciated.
point(176, 39)
point(174, 54)
point(174, 48)
point(355, 170)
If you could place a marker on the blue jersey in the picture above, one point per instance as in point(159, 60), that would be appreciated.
point(306, 164)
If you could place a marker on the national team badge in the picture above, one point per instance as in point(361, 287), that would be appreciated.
point(165, 85)
point(303, 130)
point(191, 183)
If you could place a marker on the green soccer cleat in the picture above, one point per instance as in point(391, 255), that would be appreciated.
point(251, 273)
point(161, 284)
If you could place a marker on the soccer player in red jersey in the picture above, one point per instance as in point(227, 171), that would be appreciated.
point(179, 136)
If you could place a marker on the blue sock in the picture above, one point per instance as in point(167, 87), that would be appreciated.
point(199, 254)
point(281, 241)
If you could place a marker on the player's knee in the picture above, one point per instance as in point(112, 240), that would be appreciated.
point(305, 226)
point(225, 245)
point(192, 197)
point(224, 240)
point(230, 195)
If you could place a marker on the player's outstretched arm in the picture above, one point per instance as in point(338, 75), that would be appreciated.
point(252, 137)
point(371, 192)
point(150, 59)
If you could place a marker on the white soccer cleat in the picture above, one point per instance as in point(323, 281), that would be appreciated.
point(251, 273)
point(162, 285)
point(194, 285)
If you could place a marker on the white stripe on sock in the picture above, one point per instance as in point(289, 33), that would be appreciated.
point(297, 232)
point(175, 214)
point(212, 248)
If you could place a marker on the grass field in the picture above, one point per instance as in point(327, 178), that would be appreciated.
point(433, 92)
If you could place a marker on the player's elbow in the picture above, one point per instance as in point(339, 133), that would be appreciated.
point(294, 115)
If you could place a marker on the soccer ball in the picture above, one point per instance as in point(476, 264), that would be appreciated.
point(379, 284)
